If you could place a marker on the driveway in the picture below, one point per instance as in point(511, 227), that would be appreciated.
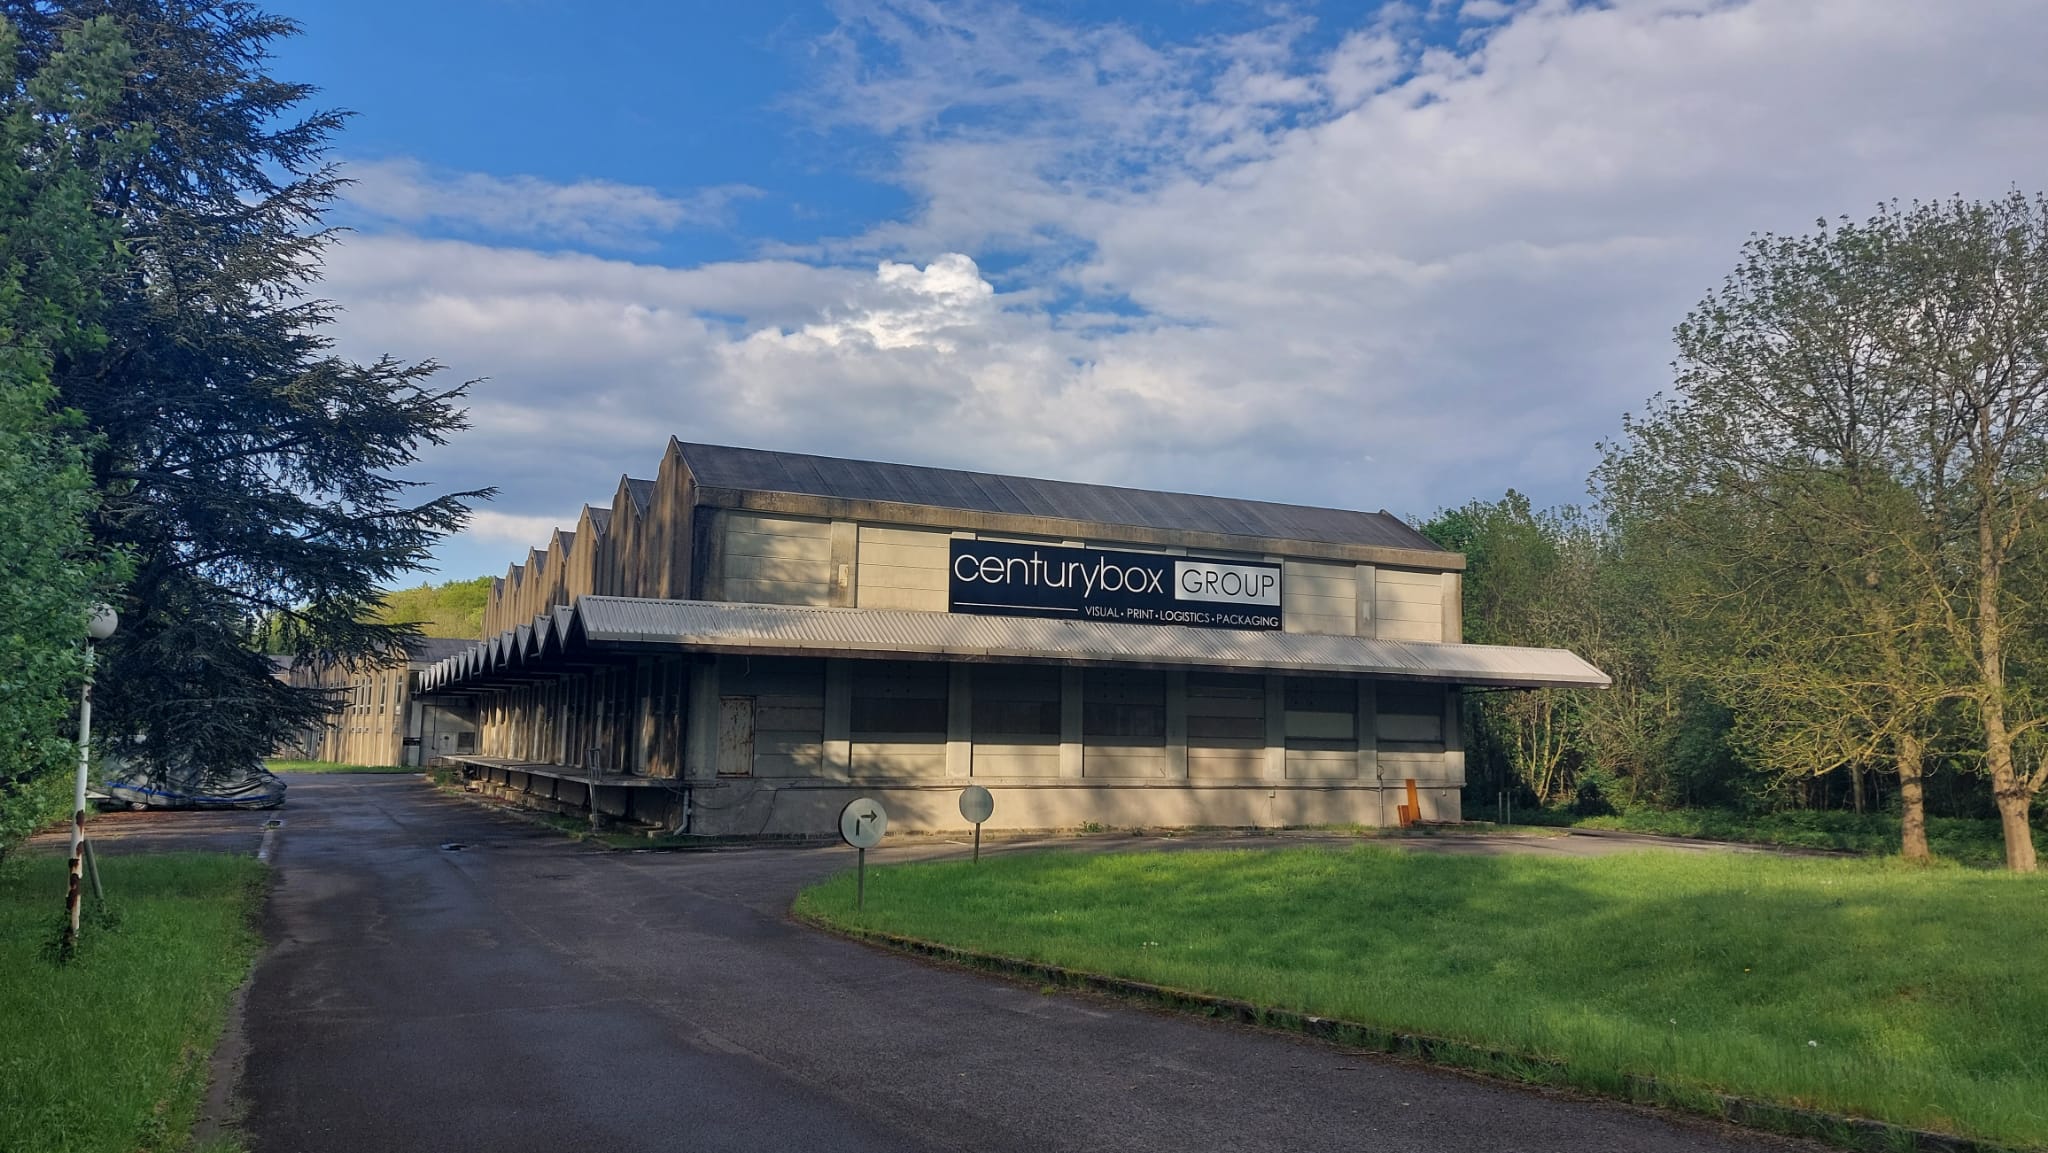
point(520, 992)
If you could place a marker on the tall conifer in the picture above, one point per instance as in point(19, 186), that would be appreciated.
point(253, 477)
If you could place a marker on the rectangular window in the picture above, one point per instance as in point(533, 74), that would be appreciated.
point(1411, 717)
point(1014, 704)
point(1322, 713)
point(1226, 711)
point(899, 701)
point(1123, 707)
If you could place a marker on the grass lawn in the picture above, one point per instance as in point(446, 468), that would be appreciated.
point(109, 1052)
point(335, 767)
point(1968, 842)
point(1865, 987)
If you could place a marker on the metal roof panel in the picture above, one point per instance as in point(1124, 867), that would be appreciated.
point(760, 470)
point(732, 626)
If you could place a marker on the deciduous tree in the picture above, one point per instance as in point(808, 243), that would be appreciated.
point(1856, 453)
point(53, 254)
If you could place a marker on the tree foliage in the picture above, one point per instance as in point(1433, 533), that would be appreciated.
point(1831, 529)
point(254, 477)
point(52, 253)
point(453, 609)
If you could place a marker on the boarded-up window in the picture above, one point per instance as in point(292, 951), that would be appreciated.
point(1322, 713)
point(789, 711)
point(1016, 704)
point(898, 719)
point(1226, 711)
point(1411, 717)
point(1123, 707)
point(899, 701)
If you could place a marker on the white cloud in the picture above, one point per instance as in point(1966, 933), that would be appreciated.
point(1385, 274)
point(597, 212)
point(491, 525)
point(920, 307)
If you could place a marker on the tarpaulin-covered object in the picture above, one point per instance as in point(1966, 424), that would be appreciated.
point(189, 787)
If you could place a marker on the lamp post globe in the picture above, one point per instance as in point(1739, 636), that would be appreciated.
point(104, 621)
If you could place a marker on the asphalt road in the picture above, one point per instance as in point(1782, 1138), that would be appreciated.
point(525, 993)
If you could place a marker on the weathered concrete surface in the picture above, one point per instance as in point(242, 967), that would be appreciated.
point(523, 993)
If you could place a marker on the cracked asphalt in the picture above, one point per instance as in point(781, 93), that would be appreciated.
point(527, 993)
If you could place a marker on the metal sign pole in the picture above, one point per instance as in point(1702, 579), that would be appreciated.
point(861, 824)
point(977, 805)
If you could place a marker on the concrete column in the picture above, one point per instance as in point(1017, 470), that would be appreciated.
point(1276, 727)
point(1070, 723)
point(959, 721)
point(1177, 725)
point(646, 704)
point(713, 577)
point(700, 755)
point(1454, 608)
point(1368, 731)
point(568, 709)
point(1368, 608)
point(838, 719)
point(1454, 736)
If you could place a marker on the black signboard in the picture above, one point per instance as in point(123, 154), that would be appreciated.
point(1036, 580)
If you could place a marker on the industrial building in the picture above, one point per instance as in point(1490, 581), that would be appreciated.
point(377, 717)
point(747, 641)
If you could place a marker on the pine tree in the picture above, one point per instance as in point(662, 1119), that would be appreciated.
point(250, 474)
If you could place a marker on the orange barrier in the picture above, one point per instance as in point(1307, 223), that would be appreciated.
point(1411, 812)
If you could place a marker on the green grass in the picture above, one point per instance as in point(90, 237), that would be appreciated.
point(1964, 841)
point(109, 1052)
point(335, 767)
point(1861, 987)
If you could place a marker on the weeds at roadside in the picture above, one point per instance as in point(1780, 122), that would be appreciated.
point(107, 1051)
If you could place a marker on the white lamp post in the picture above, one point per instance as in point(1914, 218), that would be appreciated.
point(104, 622)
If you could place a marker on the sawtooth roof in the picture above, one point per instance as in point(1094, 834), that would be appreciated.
point(761, 470)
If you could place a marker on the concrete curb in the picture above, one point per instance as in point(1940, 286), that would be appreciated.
point(1849, 1132)
point(1709, 842)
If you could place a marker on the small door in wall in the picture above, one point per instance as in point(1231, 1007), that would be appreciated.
point(735, 736)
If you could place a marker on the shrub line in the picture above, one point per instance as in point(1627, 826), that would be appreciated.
point(1852, 1132)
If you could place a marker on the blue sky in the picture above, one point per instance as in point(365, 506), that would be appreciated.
point(675, 98)
point(1373, 256)
point(678, 98)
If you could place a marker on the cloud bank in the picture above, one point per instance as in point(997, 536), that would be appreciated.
point(594, 212)
point(1398, 265)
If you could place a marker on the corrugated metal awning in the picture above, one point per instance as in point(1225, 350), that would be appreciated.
point(789, 630)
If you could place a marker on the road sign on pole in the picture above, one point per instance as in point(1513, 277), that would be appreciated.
point(977, 806)
point(861, 824)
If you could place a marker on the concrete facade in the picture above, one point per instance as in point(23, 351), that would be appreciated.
point(378, 718)
point(710, 736)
